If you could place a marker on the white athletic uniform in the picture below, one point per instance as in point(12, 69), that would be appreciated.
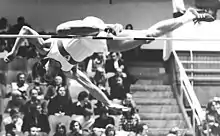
point(78, 49)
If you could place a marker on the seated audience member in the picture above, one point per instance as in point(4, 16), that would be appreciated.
point(2, 96)
point(15, 119)
point(35, 131)
point(10, 130)
point(17, 27)
point(40, 92)
point(212, 117)
point(61, 104)
point(39, 85)
point(33, 102)
point(37, 119)
point(100, 77)
point(18, 92)
point(141, 129)
point(119, 73)
point(96, 60)
point(104, 119)
point(117, 88)
point(83, 105)
point(132, 54)
point(110, 130)
point(128, 101)
point(4, 26)
point(129, 120)
point(83, 110)
point(75, 129)
point(14, 29)
point(60, 130)
point(114, 63)
point(52, 89)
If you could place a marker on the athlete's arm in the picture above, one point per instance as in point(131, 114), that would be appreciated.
point(39, 43)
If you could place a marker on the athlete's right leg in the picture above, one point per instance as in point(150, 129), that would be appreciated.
point(37, 42)
point(82, 79)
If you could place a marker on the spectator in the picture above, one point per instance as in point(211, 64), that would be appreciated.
point(35, 131)
point(39, 85)
point(114, 63)
point(61, 103)
point(133, 54)
point(37, 119)
point(129, 27)
point(141, 129)
point(124, 76)
point(212, 117)
point(83, 110)
point(18, 92)
point(4, 26)
point(2, 96)
point(100, 77)
point(40, 92)
point(20, 23)
point(117, 88)
point(10, 130)
point(15, 119)
point(83, 105)
point(60, 130)
point(128, 101)
point(25, 50)
point(97, 60)
point(110, 130)
point(51, 91)
point(34, 100)
point(104, 119)
point(75, 128)
point(129, 120)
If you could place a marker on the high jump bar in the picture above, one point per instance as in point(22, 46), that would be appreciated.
point(110, 38)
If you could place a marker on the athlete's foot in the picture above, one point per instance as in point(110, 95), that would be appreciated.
point(116, 106)
point(201, 16)
point(9, 57)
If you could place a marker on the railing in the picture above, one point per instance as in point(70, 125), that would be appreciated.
point(198, 115)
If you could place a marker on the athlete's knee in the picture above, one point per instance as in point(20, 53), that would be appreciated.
point(26, 29)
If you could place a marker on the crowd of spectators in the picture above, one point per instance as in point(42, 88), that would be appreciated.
point(38, 108)
point(49, 108)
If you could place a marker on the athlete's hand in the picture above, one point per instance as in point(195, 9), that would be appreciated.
point(118, 28)
point(9, 57)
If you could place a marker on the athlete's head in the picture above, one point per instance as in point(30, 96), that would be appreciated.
point(47, 68)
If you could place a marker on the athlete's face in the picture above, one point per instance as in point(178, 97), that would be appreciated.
point(52, 67)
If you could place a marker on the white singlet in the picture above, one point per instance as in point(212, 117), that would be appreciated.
point(79, 49)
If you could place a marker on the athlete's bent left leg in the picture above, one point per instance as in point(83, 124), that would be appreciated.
point(39, 43)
